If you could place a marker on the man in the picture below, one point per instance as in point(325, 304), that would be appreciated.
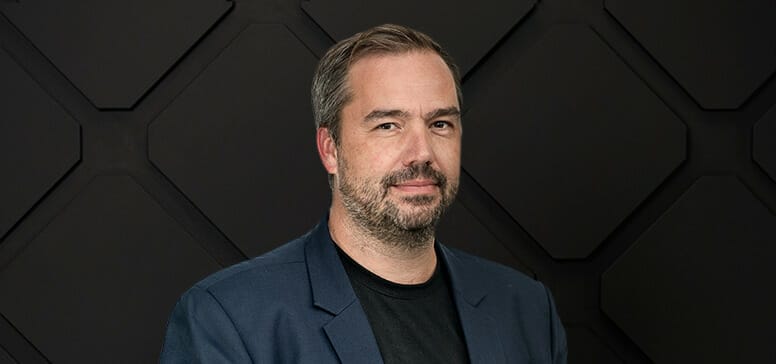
point(369, 284)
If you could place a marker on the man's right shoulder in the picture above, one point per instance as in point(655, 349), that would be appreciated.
point(262, 272)
point(234, 315)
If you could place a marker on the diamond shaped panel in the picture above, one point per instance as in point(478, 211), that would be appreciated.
point(460, 229)
point(585, 347)
point(5, 357)
point(458, 26)
point(582, 153)
point(39, 142)
point(213, 142)
point(114, 50)
point(697, 286)
point(111, 265)
point(720, 51)
point(764, 146)
point(17, 348)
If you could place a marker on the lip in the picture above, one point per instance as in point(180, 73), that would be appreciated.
point(416, 183)
point(416, 186)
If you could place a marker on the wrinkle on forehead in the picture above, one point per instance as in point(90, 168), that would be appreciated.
point(404, 114)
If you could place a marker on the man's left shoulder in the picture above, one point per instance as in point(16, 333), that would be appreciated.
point(517, 305)
point(491, 276)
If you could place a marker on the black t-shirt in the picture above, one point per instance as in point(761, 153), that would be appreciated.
point(415, 323)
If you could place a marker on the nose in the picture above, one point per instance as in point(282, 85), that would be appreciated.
point(417, 146)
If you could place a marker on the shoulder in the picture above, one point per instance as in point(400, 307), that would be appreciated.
point(260, 273)
point(519, 305)
point(503, 290)
point(489, 274)
point(232, 310)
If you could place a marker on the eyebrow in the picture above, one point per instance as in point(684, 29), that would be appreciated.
point(402, 114)
point(439, 113)
point(381, 114)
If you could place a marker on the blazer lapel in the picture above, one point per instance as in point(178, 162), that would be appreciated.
point(352, 337)
point(479, 328)
point(348, 331)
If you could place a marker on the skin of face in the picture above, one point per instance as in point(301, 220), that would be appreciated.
point(400, 143)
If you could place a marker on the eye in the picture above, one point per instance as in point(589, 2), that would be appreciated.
point(386, 126)
point(441, 124)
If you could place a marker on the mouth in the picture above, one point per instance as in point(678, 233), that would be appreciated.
point(418, 180)
point(417, 186)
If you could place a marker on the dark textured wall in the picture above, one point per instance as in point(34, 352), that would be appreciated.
point(621, 151)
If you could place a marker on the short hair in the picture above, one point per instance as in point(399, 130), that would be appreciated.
point(329, 90)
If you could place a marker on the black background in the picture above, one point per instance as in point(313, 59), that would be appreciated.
point(620, 151)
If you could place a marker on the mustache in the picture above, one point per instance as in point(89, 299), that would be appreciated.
point(420, 170)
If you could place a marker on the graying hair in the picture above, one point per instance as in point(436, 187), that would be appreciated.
point(329, 90)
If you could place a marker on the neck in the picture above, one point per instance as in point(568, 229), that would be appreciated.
point(395, 261)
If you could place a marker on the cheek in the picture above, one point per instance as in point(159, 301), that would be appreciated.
point(368, 163)
point(449, 156)
point(377, 158)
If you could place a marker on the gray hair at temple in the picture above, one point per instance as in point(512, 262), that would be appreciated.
point(329, 90)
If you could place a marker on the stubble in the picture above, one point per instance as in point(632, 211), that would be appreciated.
point(408, 228)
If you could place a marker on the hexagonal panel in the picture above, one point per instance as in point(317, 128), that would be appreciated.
point(585, 347)
point(696, 286)
point(213, 142)
point(112, 262)
point(764, 146)
point(114, 50)
point(571, 141)
point(39, 142)
point(458, 26)
point(720, 51)
point(462, 230)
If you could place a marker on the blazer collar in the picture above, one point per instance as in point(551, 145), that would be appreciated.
point(465, 280)
point(479, 328)
point(348, 331)
point(331, 286)
point(329, 281)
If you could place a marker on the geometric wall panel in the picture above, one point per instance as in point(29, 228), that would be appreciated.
point(116, 57)
point(17, 349)
point(5, 357)
point(102, 277)
point(39, 142)
point(570, 150)
point(587, 348)
point(567, 146)
point(459, 229)
point(241, 135)
point(765, 143)
point(458, 25)
point(696, 286)
point(719, 51)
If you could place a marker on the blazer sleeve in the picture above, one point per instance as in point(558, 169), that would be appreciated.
point(559, 348)
point(200, 331)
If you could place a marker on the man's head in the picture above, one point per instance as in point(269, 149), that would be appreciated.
point(387, 105)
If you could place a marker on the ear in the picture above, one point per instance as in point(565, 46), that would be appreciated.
point(327, 150)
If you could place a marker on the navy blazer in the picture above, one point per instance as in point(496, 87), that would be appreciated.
point(295, 304)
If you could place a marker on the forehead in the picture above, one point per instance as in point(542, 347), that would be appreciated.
point(421, 76)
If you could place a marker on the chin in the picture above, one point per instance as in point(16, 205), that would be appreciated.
point(418, 218)
point(422, 200)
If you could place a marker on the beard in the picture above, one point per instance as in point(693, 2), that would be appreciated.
point(410, 227)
